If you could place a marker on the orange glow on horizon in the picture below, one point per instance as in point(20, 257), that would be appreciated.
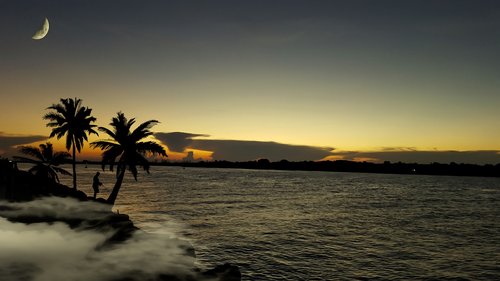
point(198, 155)
point(332, 158)
point(366, 159)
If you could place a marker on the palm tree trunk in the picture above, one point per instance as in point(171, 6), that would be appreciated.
point(116, 188)
point(74, 164)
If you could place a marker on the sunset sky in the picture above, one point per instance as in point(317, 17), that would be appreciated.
point(302, 80)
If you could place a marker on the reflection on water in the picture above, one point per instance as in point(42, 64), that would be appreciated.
point(291, 225)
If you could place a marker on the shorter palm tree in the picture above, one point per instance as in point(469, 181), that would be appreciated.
point(46, 161)
point(126, 150)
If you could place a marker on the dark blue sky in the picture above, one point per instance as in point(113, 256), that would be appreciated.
point(354, 75)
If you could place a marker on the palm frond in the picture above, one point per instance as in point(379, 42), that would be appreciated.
point(61, 171)
point(47, 151)
point(103, 144)
point(107, 131)
point(143, 130)
point(142, 161)
point(133, 171)
point(32, 151)
point(151, 148)
point(24, 159)
point(55, 177)
point(109, 156)
point(60, 158)
point(59, 107)
point(56, 118)
point(69, 140)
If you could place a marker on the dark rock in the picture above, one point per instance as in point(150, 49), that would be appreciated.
point(123, 226)
point(17, 185)
point(100, 200)
point(225, 272)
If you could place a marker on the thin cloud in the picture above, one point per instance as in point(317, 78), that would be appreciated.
point(398, 149)
point(241, 150)
point(177, 141)
point(238, 150)
point(423, 157)
point(8, 143)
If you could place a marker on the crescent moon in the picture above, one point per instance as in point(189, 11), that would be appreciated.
point(42, 32)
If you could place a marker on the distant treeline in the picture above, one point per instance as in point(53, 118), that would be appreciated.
point(453, 169)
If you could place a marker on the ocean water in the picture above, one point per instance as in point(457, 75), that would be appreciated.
point(295, 225)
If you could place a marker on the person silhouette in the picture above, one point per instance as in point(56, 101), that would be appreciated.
point(96, 183)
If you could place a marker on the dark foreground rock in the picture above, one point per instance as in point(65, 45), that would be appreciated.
point(19, 186)
point(226, 272)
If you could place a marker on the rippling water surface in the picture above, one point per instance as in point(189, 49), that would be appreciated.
point(293, 225)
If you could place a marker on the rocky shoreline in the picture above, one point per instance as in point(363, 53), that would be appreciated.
point(19, 188)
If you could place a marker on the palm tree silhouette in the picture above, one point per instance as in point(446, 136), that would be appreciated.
point(72, 119)
point(46, 162)
point(126, 146)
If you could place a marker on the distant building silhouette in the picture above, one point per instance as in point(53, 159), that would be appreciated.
point(189, 157)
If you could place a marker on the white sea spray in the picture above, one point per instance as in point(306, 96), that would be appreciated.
point(55, 251)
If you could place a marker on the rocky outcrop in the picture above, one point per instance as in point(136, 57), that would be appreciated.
point(22, 186)
point(123, 229)
point(17, 185)
point(225, 272)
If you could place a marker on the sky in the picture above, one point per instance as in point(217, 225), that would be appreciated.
point(277, 79)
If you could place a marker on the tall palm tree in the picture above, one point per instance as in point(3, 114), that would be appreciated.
point(72, 119)
point(126, 150)
point(46, 161)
